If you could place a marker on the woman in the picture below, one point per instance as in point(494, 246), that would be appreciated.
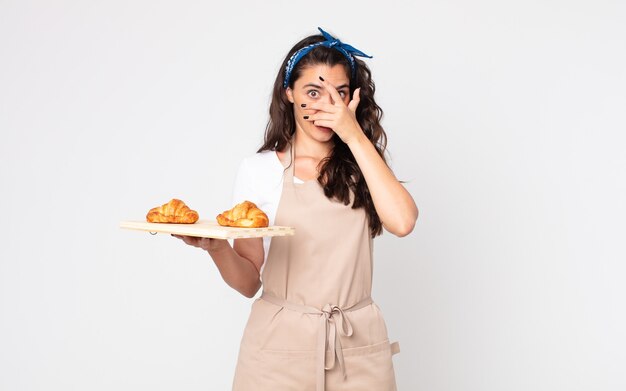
point(321, 170)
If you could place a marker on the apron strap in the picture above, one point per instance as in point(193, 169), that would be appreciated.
point(333, 321)
point(288, 162)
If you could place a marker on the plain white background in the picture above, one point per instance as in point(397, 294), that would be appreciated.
point(506, 119)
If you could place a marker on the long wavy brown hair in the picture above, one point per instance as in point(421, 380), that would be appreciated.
point(339, 172)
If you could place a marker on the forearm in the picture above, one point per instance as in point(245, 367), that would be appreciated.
point(394, 204)
point(238, 272)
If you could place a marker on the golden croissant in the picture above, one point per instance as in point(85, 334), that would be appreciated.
point(174, 211)
point(246, 215)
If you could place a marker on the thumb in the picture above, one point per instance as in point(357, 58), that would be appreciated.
point(356, 98)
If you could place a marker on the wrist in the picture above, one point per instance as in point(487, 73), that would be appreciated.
point(358, 139)
point(217, 246)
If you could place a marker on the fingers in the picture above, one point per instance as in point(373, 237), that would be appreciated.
point(319, 116)
point(207, 244)
point(337, 99)
point(333, 92)
point(322, 119)
point(324, 123)
point(190, 240)
point(321, 106)
point(356, 98)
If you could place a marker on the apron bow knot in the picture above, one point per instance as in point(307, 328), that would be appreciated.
point(335, 322)
point(332, 322)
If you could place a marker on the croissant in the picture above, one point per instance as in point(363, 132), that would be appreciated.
point(174, 211)
point(246, 215)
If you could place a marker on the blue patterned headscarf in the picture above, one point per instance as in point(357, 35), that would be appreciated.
point(348, 51)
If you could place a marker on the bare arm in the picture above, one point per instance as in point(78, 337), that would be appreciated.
point(394, 205)
point(239, 265)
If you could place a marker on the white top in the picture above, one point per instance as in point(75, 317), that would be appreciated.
point(260, 180)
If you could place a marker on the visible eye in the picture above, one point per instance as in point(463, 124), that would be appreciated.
point(342, 93)
point(313, 93)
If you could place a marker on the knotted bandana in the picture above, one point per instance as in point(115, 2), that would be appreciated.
point(330, 42)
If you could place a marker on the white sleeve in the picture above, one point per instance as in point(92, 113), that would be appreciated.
point(244, 188)
point(260, 179)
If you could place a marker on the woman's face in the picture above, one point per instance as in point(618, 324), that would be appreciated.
point(308, 89)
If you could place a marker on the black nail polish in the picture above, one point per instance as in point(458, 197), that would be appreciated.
point(321, 78)
point(306, 117)
point(303, 105)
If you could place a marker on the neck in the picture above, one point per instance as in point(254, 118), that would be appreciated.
point(307, 147)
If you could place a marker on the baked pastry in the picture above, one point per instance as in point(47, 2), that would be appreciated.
point(246, 215)
point(174, 211)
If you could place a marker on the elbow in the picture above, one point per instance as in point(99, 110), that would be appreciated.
point(406, 226)
point(404, 230)
point(250, 290)
point(248, 294)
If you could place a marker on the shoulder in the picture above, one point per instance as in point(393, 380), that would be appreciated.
point(259, 176)
point(261, 158)
point(260, 164)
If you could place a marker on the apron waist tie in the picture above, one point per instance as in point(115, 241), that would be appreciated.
point(333, 321)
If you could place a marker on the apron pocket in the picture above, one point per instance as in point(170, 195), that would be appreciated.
point(294, 354)
point(371, 349)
